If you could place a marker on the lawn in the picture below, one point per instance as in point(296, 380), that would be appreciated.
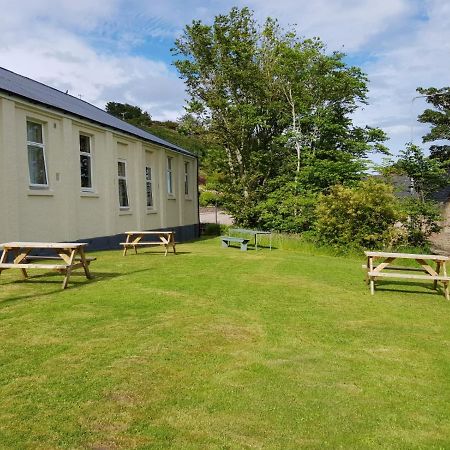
point(219, 349)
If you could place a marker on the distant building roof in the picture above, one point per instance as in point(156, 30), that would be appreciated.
point(13, 83)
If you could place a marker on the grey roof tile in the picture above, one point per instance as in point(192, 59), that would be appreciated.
point(35, 91)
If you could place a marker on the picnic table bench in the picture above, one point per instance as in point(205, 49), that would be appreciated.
point(71, 255)
point(135, 239)
point(379, 271)
point(254, 233)
point(226, 240)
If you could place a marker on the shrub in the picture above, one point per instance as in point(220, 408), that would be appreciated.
point(208, 198)
point(421, 220)
point(364, 216)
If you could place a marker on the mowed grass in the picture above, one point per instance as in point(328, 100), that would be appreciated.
point(219, 349)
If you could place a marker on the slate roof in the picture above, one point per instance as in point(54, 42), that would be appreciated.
point(35, 92)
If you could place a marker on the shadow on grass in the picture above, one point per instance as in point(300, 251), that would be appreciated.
point(385, 287)
point(98, 277)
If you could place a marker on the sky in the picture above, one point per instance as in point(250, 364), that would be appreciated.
point(119, 50)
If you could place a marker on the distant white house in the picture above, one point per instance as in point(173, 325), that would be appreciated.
point(70, 171)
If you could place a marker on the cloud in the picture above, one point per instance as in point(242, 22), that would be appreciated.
point(105, 50)
point(57, 54)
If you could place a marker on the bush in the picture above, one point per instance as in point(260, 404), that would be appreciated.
point(212, 229)
point(364, 216)
point(209, 198)
point(421, 220)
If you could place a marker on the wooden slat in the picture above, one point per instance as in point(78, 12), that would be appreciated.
point(35, 266)
point(407, 275)
point(132, 244)
point(56, 245)
point(406, 256)
point(88, 258)
point(406, 269)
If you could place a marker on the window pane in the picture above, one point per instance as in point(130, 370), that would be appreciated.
point(34, 132)
point(123, 195)
point(121, 169)
point(186, 178)
point(85, 168)
point(169, 163)
point(149, 195)
point(36, 165)
point(148, 173)
point(169, 183)
point(85, 144)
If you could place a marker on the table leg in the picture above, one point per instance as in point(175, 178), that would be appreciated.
point(270, 241)
point(4, 257)
point(69, 268)
point(372, 281)
point(85, 264)
point(20, 257)
point(438, 271)
point(445, 282)
point(125, 247)
point(256, 242)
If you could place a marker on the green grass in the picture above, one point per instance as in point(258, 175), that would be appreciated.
point(219, 349)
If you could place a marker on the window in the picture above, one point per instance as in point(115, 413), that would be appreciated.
point(85, 163)
point(149, 188)
point(122, 177)
point(36, 155)
point(170, 175)
point(186, 178)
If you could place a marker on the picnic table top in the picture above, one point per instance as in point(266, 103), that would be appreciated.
point(244, 230)
point(149, 232)
point(56, 245)
point(406, 256)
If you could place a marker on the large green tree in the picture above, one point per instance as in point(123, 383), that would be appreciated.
point(279, 108)
point(439, 119)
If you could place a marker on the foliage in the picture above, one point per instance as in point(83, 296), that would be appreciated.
point(286, 211)
point(208, 198)
point(129, 113)
point(276, 106)
point(428, 174)
point(364, 216)
point(439, 119)
point(421, 220)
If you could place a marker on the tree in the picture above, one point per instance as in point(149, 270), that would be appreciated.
point(129, 113)
point(275, 105)
point(428, 174)
point(439, 119)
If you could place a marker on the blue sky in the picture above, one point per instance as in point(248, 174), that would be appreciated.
point(119, 50)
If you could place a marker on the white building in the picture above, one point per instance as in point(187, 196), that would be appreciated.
point(70, 171)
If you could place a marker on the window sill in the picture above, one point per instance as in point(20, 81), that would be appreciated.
point(171, 197)
point(40, 192)
point(152, 211)
point(188, 198)
point(89, 194)
point(125, 212)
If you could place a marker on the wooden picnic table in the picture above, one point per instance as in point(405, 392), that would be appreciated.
point(135, 240)
point(72, 256)
point(254, 233)
point(439, 274)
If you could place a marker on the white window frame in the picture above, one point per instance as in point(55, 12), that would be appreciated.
point(120, 177)
point(169, 176)
point(147, 183)
point(91, 162)
point(187, 190)
point(42, 146)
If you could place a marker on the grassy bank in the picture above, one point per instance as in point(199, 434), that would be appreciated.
point(216, 348)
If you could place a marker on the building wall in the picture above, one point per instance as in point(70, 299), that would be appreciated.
point(63, 212)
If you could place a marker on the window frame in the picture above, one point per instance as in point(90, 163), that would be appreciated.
point(120, 177)
point(91, 162)
point(169, 176)
point(187, 191)
point(147, 183)
point(41, 145)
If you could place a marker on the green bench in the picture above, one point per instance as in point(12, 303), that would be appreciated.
point(226, 240)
